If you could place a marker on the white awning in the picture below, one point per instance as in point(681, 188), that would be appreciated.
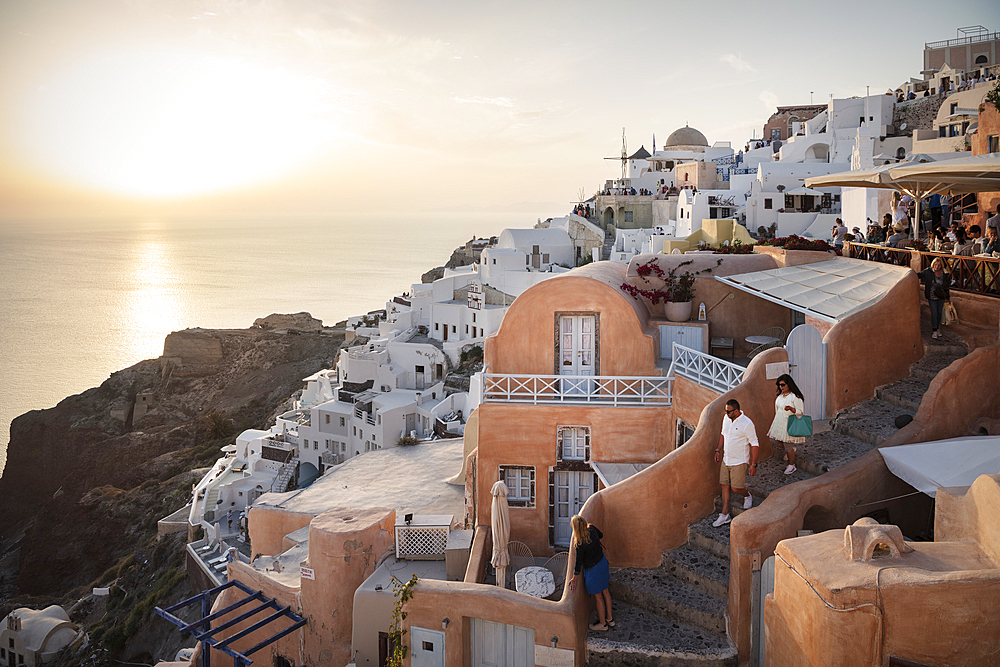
point(829, 290)
point(612, 473)
point(927, 466)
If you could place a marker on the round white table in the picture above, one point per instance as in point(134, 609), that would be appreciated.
point(762, 340)
point(535, 581)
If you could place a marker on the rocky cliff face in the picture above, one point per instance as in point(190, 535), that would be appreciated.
point(144, 424)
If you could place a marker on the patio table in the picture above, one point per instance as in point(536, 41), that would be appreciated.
point(535, 581)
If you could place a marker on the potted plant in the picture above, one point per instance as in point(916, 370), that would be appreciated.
point(680, 289)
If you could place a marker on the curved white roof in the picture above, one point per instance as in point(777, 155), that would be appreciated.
point(38, 625)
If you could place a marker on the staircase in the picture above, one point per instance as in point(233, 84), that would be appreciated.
point(211, 501)
point(674, 614)
point(285, 474)
point(609, 244)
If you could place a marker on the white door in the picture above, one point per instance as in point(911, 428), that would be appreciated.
point(807, 366)
point(500, 645)
point(576, 350)
point(687, 336)
point(572, 488)
point(426, 647)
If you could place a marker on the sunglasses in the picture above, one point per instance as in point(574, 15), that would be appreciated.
point(782, 384)
point(729, 410)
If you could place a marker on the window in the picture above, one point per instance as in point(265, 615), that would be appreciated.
point(993, 143)
point(545, 258)
point(520, 481)
point(954, 106)
point(473, 317)
point(454, 329)
point(982, 60)
point(574, 443)
point(316, 445)
point(494, 262)
point(628, 216)
point(535, 250)
point(343, 447)
point(724, 213)
point(767, 204)
point(327, 419)
point(380, 419)
point(684, 432)
point(355, 430)
point(341, 421)
point(466, 329)
point(437, 326)
point(473, 332)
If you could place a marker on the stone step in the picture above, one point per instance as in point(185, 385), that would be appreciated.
point(643, 639)
point(906, 393)
point(698, 568)
point(713, 539)
point(822, 452)
point(771, 475)
point(657, 591)
point(937, 358)
point(871, 421)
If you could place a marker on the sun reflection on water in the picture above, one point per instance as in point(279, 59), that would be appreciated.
point(151, 303)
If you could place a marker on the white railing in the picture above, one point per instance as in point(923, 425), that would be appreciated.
point(706, 370)
point(617, 391)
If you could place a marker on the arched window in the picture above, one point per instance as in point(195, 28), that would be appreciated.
point(981, 60)
point(900, 153)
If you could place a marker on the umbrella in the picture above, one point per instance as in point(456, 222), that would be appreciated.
point(500, 523)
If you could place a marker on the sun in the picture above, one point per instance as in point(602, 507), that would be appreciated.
point(162, 124)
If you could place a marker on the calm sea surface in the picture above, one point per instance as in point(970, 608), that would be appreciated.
point(81, 299)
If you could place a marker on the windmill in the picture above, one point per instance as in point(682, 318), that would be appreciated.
point(624, 155)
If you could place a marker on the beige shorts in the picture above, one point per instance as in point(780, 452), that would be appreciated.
point(734, 476)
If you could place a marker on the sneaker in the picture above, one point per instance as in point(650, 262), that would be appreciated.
point(722, 520)
point(748, 501)
point(790, 469)
point(598, 626)
point(611, 622)
point(935, 335)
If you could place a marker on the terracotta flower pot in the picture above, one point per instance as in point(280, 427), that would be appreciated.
point(679, 311)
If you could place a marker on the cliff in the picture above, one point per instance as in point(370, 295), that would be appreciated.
point(145, 424)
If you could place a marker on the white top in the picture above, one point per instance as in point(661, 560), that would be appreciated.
point(739, 435)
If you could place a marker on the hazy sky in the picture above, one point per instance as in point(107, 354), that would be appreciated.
point(173, 106)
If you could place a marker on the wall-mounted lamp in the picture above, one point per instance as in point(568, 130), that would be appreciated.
point(555, 640)
point(378, 587)
point(444, 623)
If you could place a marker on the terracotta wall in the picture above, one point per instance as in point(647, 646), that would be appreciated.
point(460, 602)
point(892, 607)
point(268, 526)
point(526, 435)
point(525, 342)
point(829, 501)
point(989, 124)
point(853, 368)
point(971, 516)
point(344, 548)
point(683, 486)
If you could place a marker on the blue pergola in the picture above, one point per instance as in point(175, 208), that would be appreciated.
point(216, 637)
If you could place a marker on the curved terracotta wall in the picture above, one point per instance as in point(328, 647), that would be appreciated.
point(944, 412)
point(854, 367)
point(525, 342)
point(650, 512)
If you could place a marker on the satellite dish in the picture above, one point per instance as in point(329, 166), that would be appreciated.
point(903, 126)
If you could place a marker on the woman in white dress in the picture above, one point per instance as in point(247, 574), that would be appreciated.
point(788, 402)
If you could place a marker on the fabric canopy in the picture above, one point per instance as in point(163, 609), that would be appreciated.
point(926, 466)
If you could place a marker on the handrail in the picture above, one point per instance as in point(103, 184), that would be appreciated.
point(958, 41)
point(708, 371)
point(617, 391)
point(978, 275)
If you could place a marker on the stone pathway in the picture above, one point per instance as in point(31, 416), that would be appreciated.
point(675, 614)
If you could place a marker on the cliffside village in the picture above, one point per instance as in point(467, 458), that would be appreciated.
point(599, 397)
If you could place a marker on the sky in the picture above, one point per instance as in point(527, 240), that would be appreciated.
point(303, 107)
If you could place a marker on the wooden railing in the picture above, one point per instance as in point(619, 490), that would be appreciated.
point(979, 275)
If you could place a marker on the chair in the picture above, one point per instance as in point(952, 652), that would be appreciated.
point(777, 333)
point(557, 566)
point(520, 556)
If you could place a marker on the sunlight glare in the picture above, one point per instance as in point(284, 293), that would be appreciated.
point(169, 124)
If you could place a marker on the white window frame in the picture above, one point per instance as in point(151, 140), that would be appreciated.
point(519, 480)
point(561, 432)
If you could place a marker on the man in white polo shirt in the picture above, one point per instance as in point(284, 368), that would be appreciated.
point(737, 452)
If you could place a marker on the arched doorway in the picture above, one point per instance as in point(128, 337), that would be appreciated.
point(609, 217)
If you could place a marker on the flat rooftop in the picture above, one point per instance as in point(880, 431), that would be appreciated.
point(408, 479)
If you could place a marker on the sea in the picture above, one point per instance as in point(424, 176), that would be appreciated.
point(80, 299)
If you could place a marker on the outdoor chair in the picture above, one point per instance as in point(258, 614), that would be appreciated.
point(520, 556)
point(778, 336)
point(557, 566)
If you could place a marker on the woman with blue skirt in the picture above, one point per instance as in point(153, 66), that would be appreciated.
point(591, 562)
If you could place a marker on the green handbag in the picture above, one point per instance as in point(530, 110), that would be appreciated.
point(799, 427)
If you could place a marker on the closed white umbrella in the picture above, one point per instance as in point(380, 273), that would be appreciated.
point(500, 523)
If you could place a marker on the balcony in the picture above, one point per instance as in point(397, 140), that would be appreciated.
point(599, 390)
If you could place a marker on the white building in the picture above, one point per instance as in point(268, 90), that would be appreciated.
point(32, 637)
